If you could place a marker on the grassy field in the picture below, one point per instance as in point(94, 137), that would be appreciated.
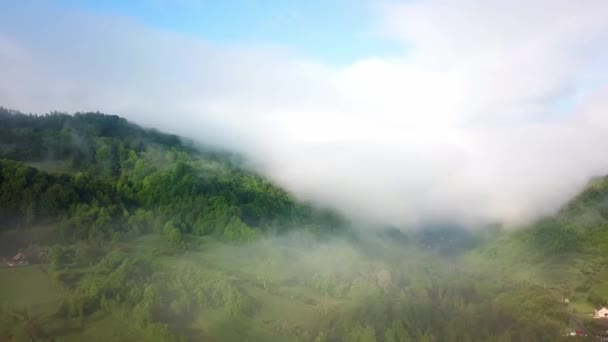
point(12, 241)
point(99, 327)
point(29, 287)
point(28, 290)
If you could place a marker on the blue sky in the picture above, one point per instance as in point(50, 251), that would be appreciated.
point(334, 32)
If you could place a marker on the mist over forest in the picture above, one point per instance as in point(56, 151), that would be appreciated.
point(318, 171)
point(475, 111)
point(114, 232)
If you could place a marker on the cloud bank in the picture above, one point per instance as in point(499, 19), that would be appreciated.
point(495, 111)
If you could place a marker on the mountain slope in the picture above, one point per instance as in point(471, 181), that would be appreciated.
point(104, 173)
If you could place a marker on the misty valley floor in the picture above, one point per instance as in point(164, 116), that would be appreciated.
point(286, 285)
point(291, 288)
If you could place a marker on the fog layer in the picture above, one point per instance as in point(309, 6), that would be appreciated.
point(494, 111)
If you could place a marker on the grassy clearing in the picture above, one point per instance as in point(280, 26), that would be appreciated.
point(581, 308)
point(99, 327)
point(29, 287)
point(13, 240)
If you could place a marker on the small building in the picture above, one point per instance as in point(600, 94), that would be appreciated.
point(19, 259)
point(601, 312)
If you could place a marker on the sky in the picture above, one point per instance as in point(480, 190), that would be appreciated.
point(336, 31)
point(395, 112)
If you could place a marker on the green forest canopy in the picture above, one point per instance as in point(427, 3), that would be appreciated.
point(100, 175)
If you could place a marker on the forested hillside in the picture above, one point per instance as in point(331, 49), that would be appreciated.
point(100, 176)
point(129, 234)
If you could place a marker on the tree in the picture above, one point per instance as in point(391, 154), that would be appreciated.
point(57, 256)
point(321, 337)
point(175, 236)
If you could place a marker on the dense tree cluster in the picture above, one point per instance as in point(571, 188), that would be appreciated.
point(102, 176)
point(411, 305)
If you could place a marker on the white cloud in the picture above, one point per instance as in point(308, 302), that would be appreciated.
point(462, 127)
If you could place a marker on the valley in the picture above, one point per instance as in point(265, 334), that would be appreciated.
point(133, 234)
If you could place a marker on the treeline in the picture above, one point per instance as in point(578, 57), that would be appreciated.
point(60, 136)
point(109, 177)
